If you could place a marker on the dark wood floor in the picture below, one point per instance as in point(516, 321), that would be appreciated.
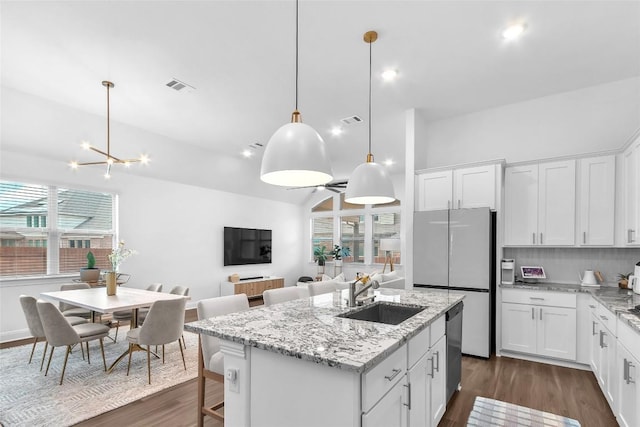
point(569, 392)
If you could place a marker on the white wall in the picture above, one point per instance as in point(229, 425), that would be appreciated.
point(177, 230)
point(592, 119)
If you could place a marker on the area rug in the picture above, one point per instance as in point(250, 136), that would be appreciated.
point(28, 398)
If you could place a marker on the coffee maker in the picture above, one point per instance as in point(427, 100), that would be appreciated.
point(634, 280)
point(508, 269)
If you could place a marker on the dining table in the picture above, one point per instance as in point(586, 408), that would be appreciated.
point(97, 301)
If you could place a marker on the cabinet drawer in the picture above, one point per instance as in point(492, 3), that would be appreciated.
point(382, 377)
point(418, 346)
point(607, 318)
point(437, 330)
point(525, 296)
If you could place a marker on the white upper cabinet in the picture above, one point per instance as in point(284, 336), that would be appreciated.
point(597, 201)
point(557, 203)
point(434, 190)
point(472, 187)
point(631, 194)
point(540, 204)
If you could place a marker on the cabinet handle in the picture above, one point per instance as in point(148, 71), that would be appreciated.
point(629, 379)
point(537, 298)
point(408, 405)
point(584, 237)
point(540, 313)
point(605, 318)
point(431, 374)
point(534, 238)
point(602, 335)
point(593, 327)
point(592, 306)
point(541, 239)
point(437, 361)
point(630, 233)
point(458, 203)
point(625, 370)
point(533, 316)
point(448, 204)
point(394, 374)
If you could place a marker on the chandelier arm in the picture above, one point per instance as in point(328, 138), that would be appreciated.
point(92, 163)
point(115, 159)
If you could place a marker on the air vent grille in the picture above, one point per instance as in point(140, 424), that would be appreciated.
point(351, 120)
point(180, 86)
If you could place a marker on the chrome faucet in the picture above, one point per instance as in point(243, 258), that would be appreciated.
point(352, 288)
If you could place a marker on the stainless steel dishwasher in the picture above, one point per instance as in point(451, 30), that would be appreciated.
point(454, 348)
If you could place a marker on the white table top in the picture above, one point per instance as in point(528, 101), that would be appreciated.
point(96, 299)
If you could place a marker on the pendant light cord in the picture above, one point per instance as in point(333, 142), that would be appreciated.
point(296, 55)
point(370, 97)
point(108, 128)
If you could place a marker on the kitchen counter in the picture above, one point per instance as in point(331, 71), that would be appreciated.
point(308, 328)
point(617, 300)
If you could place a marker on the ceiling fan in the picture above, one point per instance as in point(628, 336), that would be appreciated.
point(335, 186)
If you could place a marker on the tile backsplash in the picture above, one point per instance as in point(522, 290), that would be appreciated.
point(562, 265)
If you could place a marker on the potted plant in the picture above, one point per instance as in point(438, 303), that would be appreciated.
point(320, 255)
point(338, 253)
point(623, 280)
point(90, 273)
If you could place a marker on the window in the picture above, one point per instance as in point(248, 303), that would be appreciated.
point(352, 232)
point(322, 233)
point(34, 245)
point(386, 233)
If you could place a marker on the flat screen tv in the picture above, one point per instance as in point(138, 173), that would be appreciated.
point(246, 246)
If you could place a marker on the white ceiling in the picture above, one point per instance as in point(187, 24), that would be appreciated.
point(239, 55)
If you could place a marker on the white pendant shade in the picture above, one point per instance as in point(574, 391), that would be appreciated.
point(296, 156)
point(369, 184)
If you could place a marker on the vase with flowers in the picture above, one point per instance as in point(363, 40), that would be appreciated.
point(116, 257)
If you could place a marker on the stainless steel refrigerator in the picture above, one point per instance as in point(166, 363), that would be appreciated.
point(455, 250)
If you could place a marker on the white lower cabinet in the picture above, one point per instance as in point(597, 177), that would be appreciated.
point(390, 410)
point(539, 323)
point(409, 387)
point(629, 396)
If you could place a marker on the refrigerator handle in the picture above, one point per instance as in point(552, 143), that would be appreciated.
point(534, 238)
point(458, 203)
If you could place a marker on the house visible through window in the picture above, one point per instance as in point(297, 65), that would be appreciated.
point(33, 246)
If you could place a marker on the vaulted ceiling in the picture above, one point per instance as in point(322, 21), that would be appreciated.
point(239, 57)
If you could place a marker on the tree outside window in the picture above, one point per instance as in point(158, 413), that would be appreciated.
point(352, 237)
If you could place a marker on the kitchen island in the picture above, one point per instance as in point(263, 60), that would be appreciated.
point(298, 363)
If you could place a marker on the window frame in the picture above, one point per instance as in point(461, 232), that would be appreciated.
point(52, 233)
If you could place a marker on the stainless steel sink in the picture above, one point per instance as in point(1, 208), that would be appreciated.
point(384, 312)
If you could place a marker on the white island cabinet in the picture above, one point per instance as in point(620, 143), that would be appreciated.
point(298, 363)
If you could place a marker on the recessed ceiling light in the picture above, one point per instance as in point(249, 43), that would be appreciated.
point(388, 162)
point(247, 153)
point(336, 131)
point(389, 75)
point(513, 31)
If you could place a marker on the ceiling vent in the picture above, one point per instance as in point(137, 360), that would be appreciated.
point(180, 86)
point(351, 120)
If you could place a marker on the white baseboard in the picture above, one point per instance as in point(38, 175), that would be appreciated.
point(532, 358)
point(19, 334)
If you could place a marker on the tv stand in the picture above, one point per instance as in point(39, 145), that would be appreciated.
point(252, 288)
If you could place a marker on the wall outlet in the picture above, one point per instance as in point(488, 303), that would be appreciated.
point(231, 378)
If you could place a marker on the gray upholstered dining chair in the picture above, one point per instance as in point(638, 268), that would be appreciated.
point(30, 309)
point(180, 290)
point(72, 310)
point(125, 315)
point(60, 333)
point(321, 288)
point(211, 362)
point(164, 324)
point(278, 295)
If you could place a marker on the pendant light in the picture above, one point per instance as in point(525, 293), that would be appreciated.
point(296, 155)
point(369, 183)
point(109, 160)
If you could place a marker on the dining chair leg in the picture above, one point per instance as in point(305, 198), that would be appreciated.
point(129, 365)
point(64, 366)
point(163, 354)
point(104, 361)
point(201, 384)
point(49, 362)
point(44, 355)
point(184, 343)
point(81, 348)
point(149, 363)
point(117, 329)
point(35, 341)
point(182, 353)
point(88, 357)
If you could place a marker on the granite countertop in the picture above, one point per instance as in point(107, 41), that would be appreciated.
point(615, 299)
point(308, 328)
